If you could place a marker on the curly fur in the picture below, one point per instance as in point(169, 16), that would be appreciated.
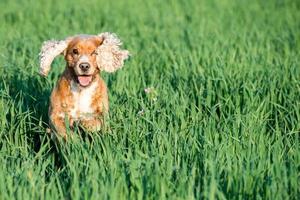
point(50, 49)
point(110, 57)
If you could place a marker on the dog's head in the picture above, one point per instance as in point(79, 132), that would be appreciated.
point(85, 55)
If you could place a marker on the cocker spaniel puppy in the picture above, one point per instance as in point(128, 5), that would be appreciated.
point(80, 95)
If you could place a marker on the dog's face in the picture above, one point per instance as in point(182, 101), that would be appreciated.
point(81, 58)
point(85, 55)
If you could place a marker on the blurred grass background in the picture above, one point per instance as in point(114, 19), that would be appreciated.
point(222, 120)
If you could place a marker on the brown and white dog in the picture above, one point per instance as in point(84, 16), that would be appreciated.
point(80, 95)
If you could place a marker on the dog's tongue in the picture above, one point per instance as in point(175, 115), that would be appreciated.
point(84, 80)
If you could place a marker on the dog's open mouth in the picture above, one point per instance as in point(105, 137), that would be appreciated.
point(84, 80)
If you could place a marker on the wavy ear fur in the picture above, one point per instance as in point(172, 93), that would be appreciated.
point(109, 55)
point(50, 49)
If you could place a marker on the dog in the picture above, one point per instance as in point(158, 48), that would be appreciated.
point(80, 95)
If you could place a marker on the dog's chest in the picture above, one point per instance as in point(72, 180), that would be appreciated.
point(82, 101)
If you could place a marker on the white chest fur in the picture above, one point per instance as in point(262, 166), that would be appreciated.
point(82, 98)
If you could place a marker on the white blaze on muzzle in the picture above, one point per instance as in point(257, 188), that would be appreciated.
point(83, 59)
point(84, 80)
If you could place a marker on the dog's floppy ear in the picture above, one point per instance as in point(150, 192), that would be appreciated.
point(109, 55)
point(50, 49)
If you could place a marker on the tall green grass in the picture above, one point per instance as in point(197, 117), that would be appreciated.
point(221, 122)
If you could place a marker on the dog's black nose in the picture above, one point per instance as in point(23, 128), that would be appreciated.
point(84, 66)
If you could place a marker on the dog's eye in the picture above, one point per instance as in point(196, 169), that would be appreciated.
point(75, 51)
point(94, 53)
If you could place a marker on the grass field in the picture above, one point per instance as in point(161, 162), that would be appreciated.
point(222, 119)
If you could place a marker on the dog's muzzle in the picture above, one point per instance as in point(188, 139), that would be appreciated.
point(84, 66)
